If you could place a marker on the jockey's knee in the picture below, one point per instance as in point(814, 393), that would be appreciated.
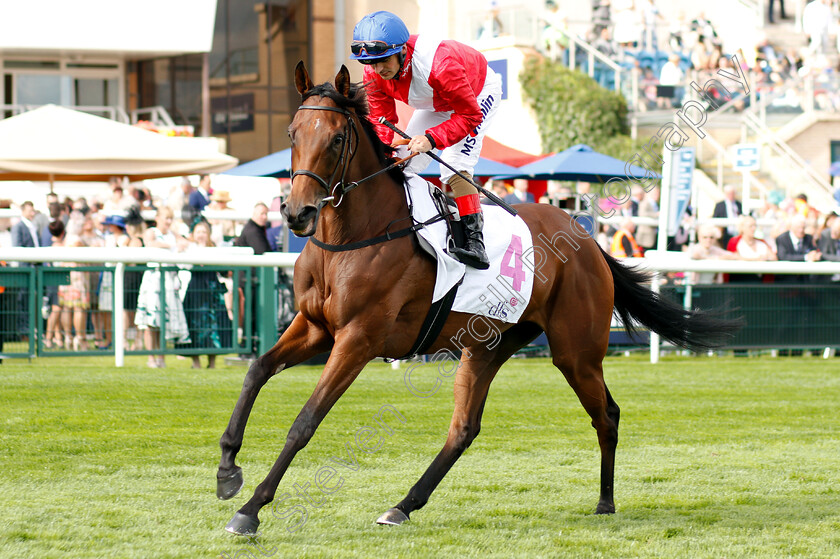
point(461, 186)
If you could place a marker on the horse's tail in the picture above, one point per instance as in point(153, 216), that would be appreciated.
point(637, 305)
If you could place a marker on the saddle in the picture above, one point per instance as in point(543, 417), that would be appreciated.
point(502, 291)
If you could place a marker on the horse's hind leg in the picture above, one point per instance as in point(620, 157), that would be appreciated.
point(298, 343)
point(472, 382)
point(580, 359)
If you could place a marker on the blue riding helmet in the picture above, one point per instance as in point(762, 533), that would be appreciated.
point(377, 36)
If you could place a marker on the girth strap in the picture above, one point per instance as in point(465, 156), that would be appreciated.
point(433, 324)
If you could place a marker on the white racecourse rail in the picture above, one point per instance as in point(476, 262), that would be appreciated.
point(657, 262)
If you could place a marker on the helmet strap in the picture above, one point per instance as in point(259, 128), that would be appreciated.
point(401, 58)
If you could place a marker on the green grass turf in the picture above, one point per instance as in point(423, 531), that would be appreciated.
point(718, 457)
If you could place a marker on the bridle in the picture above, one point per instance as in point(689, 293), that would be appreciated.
point(335, 194)
point(347, 153)
point(342, 187)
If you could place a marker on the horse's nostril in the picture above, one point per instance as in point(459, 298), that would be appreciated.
point(307, 213)
point(302, 218)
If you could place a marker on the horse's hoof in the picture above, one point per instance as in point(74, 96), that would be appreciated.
point(605, 508)
point(392, 517)
point(242, 525)
point(227, 487)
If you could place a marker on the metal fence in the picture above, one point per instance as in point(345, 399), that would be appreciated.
point(61, 311)
point(213, 294)
point(794, 312)
point(788, 315)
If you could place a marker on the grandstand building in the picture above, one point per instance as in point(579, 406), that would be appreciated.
point(224, 68)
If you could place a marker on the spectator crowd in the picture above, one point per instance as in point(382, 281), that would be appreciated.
point(784, 228)
point(669, 52)
point(199, 304)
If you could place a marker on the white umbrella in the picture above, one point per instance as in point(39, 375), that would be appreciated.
point(56, 143)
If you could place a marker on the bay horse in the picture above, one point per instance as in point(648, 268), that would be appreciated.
point(370, 301)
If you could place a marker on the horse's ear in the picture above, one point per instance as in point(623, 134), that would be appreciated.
point(342, 81)
point(302, 81)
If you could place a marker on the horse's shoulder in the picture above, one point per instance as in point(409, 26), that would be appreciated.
point(308, 269)
point(309, 288)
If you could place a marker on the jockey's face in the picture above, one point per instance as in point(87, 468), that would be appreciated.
point(387, 68)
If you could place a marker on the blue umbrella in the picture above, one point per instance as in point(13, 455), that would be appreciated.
point(834, 170)
point(280, 164)
point(484, 168)
point(580, 163)
point(277, 165)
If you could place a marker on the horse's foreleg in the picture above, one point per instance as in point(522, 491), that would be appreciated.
point(472, 381)
point(298, 343)
point(342, 368)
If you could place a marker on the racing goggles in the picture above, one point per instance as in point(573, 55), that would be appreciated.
point(375, 49)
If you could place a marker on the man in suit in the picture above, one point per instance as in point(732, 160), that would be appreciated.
point(829, 243)
point(24, 234)
point(798, 306)
point(637, 194)
point(200, 197)
point(520, 193)
point(796, 246)
point(730, 208)
point(499, 189)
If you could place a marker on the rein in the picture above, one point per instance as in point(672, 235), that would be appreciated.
point(342, 187)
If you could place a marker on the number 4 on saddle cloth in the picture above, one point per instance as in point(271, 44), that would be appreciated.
point(503, 290)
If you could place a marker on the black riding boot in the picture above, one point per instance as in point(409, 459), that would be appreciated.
point(472, 253)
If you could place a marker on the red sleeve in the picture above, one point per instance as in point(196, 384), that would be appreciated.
point(381, 104)
point(732, 245)
point(450, 83)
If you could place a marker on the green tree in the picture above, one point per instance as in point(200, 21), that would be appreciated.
point(572, 108)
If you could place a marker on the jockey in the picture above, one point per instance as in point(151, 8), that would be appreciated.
point(454, 93)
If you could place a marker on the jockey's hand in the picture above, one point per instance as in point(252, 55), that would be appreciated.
point(419, 144)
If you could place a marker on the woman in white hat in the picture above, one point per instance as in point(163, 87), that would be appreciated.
point(223, 230)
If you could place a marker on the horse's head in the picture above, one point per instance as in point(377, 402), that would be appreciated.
point(323, 135)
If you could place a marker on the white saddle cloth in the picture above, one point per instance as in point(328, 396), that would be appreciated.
point(502, 291)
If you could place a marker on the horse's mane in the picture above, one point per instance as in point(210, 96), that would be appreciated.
point(356, 101)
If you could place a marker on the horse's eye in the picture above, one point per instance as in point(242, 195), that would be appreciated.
point(338, 140)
